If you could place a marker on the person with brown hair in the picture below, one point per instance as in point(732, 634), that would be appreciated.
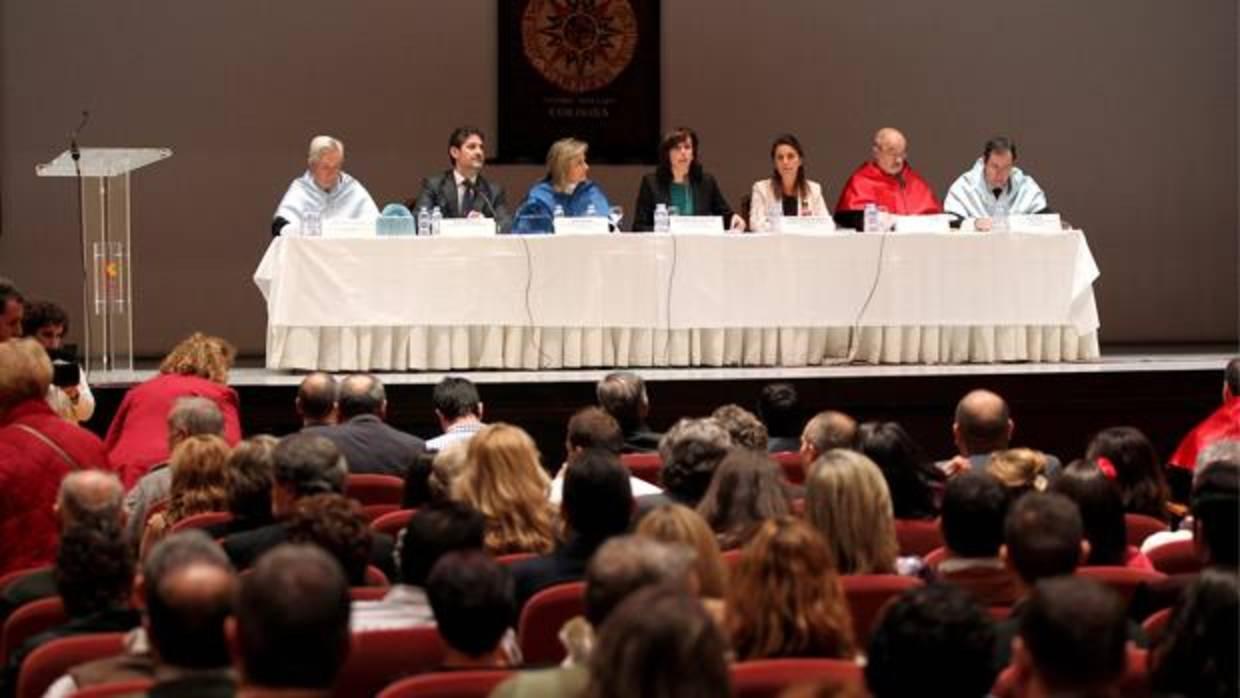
point(1138, 470)
point(677, 523)
point(847, 500)
point(199, 365)
point(199, 467)
point(746, 430)
point(785, 599)
point(748, 489)
point(680, 181)
point(504, 480)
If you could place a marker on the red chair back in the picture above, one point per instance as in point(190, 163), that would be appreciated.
point(120, 688)
point(30, 620)
point(448, 684)
point(381, 657)
point(393, 522)
point(918, 536)
point(376, 578)
point(790, 463)
point(1156, 624)
point(543, 616)
point(1134, 684)
point(768, 678)
point(934, 558)
point(50, 661)
point(1125, 580)
point(370, 512)
point(511, 558)
point(374, 489)
point(643, 466)
point(1141, 527)
point(203, 520)
point(368, 593)
point(868, 594)
point(15, 575)
point(1176, 557)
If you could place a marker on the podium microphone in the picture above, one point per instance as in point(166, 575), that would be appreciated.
point(74, 151)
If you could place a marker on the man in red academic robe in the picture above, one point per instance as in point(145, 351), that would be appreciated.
point(1223, 424)
point(886, 180)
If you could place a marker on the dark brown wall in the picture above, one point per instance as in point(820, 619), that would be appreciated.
point(1125, 111)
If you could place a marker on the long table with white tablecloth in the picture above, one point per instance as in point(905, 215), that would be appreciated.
point(544, 302)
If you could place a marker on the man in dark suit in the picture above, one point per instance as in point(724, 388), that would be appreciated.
point(623, 395)
point(366, 442)
point(462, 192)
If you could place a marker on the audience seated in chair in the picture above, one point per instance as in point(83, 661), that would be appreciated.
point(335, 524)
point(316, 400)
point(746, 430)
point(368, 444)
point(677, 524)
point(983, 424)
point(504, 480)
point(458, 409)
point(780, 411)
point(1223, 424)
point(691, 450)
point(1138, 470)
point(590, 428)
point(623, 395)
point(931, 640)
point(747, 490)
point(250, 479)
point(472, 598)
point(847, 500)
point(1199, 654)
point(916, 486)
point(825, 431)
point(199, 466)
point(974, 506)
point(1102, 513)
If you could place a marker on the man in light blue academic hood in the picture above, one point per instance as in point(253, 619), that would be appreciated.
point(324, 190)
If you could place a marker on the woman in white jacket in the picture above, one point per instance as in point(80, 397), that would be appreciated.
point(786, 188)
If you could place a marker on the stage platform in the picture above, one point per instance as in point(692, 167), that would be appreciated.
point(1056, 406)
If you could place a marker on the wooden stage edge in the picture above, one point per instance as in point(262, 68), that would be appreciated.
point(1056, 406)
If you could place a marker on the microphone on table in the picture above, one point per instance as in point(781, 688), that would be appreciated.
point(900, 178)
point(473, 186)
point(997, 191)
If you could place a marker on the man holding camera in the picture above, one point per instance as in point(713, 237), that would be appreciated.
point(70, 396)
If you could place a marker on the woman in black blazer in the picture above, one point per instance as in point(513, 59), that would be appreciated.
point(680, 181)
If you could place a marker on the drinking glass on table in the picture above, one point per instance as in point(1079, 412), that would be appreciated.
point(615, 214)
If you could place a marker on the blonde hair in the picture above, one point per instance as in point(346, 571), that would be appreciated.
point(25, 371)
point(560, 157)
point(200, 476)
point(1021, 469)
point(677, 523)
point(322, 144)
point(504, 480)
point(847, 500)
point(446, 467)
point(201, 355)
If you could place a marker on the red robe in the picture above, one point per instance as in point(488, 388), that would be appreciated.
point(906, 194)
point(1223, 424)
point(30, 475)
point(138, 435)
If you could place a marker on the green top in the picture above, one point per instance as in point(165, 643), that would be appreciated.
point(682, 198)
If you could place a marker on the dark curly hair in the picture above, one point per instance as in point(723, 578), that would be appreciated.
point(94, 568)
point(335, 524)
point(38, 314)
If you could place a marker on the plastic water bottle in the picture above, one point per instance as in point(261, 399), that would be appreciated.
point(590, 210)
point(662, 221)
point(999, 219)
point(870, 218)
point(436, 220)
point(558, 212)
point(774, 213)
point(424, 221)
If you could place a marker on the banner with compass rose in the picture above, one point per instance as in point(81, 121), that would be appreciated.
point(582, 68)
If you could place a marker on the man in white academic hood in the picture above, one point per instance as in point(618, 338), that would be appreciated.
point(995, 184)
point(325, 189)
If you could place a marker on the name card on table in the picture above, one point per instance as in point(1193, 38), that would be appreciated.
point(806, 225)
point(936, 223)
point(477, 227)
point(697, 225)
point(1035, 223)
point(349, 228)
point(581, 225)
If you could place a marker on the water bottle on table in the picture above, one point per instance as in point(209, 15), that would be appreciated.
point(869, 222)
point(774, 213)
point(662, 220)
point(436, 220)
point(424, 221)
point(999, 218)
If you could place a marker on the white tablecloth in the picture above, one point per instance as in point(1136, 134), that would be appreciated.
point(684, 300)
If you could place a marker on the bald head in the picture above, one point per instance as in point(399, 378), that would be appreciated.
point(983, 423)
point(361, 394)
point(87, 496)
point(188, 586)
point(316, 399)
point(890, 149)
point(825, 431)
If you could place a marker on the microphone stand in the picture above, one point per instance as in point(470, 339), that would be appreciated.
point(76, 154)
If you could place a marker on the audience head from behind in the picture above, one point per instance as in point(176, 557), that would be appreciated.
point(456, 400)
point(846, 499)
point(1200, 648)
point(1019, 470)
point(780, 410)
point(1043, 537)
point(1102, 512)
point(974, 505)
point(435, 530)
point(983, 423)
point(474, 604)
point(250, 478)
point(25, 373)
point(593, 428)
point(623, 395)
point(786, 572)
point(335, 524)
point(94, 568)
point(504, 479)
point(89, 498)
point(627, 563)
point(361, 394)
point(200, 476)
point(677, 524)
point(11, 310)
point(1216, 513)
point(825, 431)
point(290, 628)
point(598, 499)
point(659, 643)
point(305, 465)
point(1138, 470)
point(46, 323)
point(446, 465)
point(904, 465)
point(188, 587)
point(316, 399)
point(748, 488)
point(746, 430)
point(1072, 640)
point(201, 355)
point(691, 450)
point(193, 416)
point(937, 632)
